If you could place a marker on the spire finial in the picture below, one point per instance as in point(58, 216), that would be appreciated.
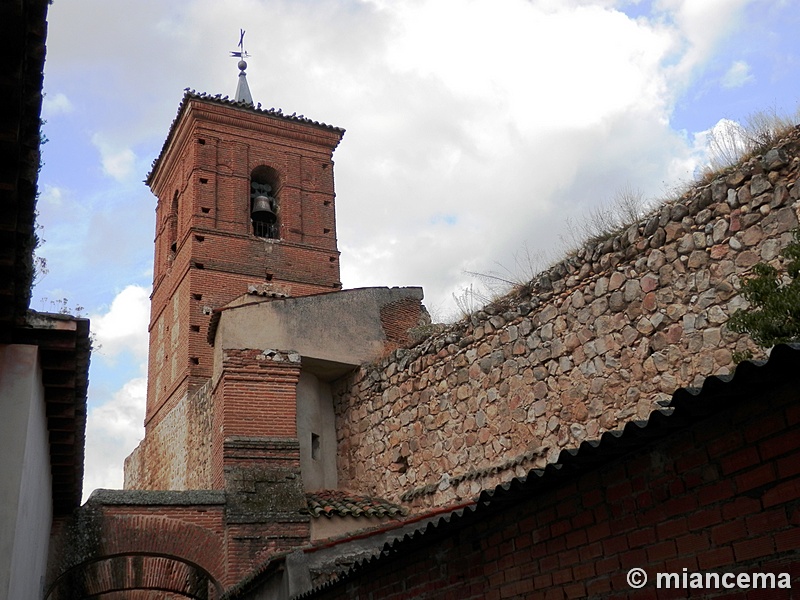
point(242, 89)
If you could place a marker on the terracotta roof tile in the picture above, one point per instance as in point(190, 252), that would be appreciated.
point(339, 503)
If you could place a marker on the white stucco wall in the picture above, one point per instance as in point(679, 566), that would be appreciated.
point(341, 328)
point(25, 482)
point(315, 416)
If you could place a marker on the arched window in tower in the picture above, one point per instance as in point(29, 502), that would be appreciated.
point(264, 206)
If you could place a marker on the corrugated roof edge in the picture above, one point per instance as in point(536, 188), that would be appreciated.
point(190, 94)
point(687, 406)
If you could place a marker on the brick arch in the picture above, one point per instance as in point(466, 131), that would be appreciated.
point(141, 595)
point(113, 550)
point(135, 576)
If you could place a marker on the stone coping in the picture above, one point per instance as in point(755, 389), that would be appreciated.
point(157, 497)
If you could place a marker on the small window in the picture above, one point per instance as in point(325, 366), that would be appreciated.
point(315, 446)
point(173, 225)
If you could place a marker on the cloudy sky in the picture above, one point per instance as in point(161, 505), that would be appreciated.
point(476, 130)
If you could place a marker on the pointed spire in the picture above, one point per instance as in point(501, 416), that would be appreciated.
point(242, 89)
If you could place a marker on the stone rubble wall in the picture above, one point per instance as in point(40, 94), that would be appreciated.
point(592, 343)
point(176, 453)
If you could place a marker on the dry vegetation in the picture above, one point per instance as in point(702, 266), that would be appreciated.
point(729, 144)
point(732, 142)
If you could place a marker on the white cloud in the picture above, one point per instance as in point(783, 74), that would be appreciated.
point(113, 429)
point(722, 145)
point(115, 425)
point(118, 162)
point(699, 26)
point(52, 195)
point(508, 117)
point(56, 104)
point(737, 75)
point(473, 128)
point(124, 327)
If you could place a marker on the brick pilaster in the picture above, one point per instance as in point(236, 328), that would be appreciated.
point(256, 455)
point(255, 398)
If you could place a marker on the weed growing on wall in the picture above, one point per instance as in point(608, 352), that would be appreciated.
point(774, 313)
point(627, 206)
point(731, 141)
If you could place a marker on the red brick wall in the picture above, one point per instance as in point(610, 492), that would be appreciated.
point(398, 318)
point(138, 534)
point(105, 546)
point(256, 456)
point(247, 551)
point(256, 396)
point(207, 162)
point(259, 394)
point(723, 496)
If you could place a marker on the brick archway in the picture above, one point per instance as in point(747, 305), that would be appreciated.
point(135, 575)
point(140, 556)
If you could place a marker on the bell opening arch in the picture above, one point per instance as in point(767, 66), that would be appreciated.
point(265, 185)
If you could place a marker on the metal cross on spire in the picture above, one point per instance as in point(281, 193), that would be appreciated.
point(242, 53)
point(242, 89)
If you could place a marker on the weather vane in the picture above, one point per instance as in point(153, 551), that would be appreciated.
point(242, 89)
point(242, 53)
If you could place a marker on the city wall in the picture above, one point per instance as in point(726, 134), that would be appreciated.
point(597, 340)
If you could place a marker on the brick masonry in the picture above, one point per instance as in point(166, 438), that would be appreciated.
point(206, 255)
point(118, 539)
point(185, 436)
point(722, 496)
point(588, 346)
point(205, 252)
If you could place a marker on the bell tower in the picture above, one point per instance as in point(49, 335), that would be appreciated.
point(245, 198)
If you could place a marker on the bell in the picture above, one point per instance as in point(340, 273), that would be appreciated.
point(262, 210)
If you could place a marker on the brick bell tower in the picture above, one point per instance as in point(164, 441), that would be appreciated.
point(245, 198)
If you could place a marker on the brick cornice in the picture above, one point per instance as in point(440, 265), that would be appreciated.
point(195, 109)
point(266, 123)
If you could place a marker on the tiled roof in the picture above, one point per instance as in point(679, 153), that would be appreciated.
point(687, 407)
point(339, 503)
point(276, 113)
point(23, 28)
point(273, 112)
